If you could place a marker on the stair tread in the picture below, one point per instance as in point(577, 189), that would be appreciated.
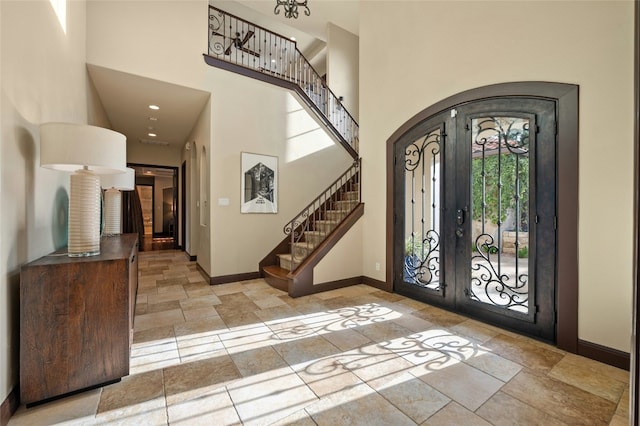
point(276, 271)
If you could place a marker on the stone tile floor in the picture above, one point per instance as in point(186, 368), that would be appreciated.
point(245, 353)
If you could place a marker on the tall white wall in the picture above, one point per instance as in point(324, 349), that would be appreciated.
point(158, 155)
point(43, 78)
point(471, 44)
point(343, 67)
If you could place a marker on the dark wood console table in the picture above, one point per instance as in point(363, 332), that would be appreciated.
point(76, 319)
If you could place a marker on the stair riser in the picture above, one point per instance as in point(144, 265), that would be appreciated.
point(325, 227)
point(350, 196)
point(335, 214)
point(284, 263)
point(302, 250)
point(314, 238)
point(277, 283)
point(345, 205)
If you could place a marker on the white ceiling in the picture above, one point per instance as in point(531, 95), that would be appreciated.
point(126, 97)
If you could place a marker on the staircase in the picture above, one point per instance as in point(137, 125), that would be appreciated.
point(245, 48)
point(242, 47)
point(312, 233)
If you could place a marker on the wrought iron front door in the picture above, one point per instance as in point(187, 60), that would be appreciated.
point(474, 194)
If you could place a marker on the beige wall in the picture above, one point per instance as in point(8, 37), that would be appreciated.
point(344, 260)
point(228, 242)
point(43, 79)
point(342, 67)
point(96, 114)
point(200, 134)
point(161, 40)
point(157, 155)
point(587, 43)
point(308, 161)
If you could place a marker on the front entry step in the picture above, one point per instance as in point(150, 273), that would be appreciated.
point(277, 277)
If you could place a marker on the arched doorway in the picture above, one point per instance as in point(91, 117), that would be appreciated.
point(483, 207)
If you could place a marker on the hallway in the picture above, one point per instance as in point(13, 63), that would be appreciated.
point(245, 353)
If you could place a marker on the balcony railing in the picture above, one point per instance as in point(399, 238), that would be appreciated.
point(234, 40)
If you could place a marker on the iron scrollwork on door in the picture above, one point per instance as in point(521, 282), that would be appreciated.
point(422, 218)
point(500, 210)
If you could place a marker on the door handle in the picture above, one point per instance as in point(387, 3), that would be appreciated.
point(459, 217)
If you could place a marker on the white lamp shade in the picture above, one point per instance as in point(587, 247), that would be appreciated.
point(69, 147)
point(122, 181)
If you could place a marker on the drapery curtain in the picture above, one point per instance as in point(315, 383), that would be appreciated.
point(132, 215)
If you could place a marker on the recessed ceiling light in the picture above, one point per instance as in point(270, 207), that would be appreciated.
point(154, 107)
point(153, 118)
point(273, 61)
point(153, 135)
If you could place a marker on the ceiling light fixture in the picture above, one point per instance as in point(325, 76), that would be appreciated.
point(291, 8)
point(154, 107)
point(153, 135)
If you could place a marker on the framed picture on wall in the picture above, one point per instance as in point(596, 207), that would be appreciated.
point(259, 179)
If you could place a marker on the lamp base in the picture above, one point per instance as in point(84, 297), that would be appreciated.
point(112, 207)
point(84, 214)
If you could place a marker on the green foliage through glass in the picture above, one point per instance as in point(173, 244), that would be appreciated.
point(493, 179)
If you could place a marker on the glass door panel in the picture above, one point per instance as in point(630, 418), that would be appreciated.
point(422, 183)
point(500, 212)
point(474, 213)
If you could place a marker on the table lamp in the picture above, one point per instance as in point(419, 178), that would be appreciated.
point(113, 184)
point(86, 151)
